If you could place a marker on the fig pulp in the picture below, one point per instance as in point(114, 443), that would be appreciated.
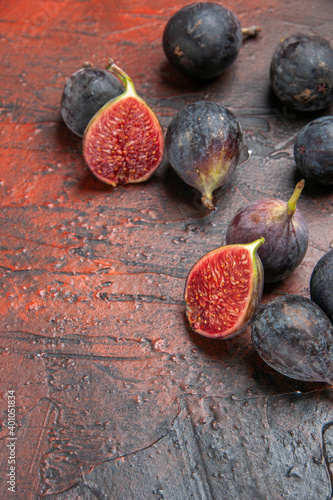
point(203, 144)
point(123, 142)
point(224, 289)
point(321, 284)
point(313, 151)
point(295, 337)
point(301, 72)
point(283, 227)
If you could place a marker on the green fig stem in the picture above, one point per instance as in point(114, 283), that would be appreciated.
point(123, 77)
point(291, 205)
point(254, 245)
point(250, 32)
point(208, 202)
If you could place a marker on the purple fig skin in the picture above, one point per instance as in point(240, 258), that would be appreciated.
point(313, 151)
point(286, 235)
point(301, 72)
point(202, 40)
point(321, 284)
point(295, 337)
point(203, 145)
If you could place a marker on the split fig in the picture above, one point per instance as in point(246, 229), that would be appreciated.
point(295, 337)
point(224, 289)
point(123, 142)
point(203, 144)
point(283, 227)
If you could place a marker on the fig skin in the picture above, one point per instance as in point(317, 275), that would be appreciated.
point(295, 337)
point(84, 93)
point(203, 144)
point(224, 289)
point(202, 40)
point(321, 284)
point(301, 72)
point(283, 227)
point(313, 151)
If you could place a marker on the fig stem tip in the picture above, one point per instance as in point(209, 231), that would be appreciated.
point(207, 201)
point(110, 63)
point(116, 70)
point(251, 31)
point(291, 205)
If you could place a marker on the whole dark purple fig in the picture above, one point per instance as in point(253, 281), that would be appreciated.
point(283, 227)
point(202, 39)
point(295, 337)
point(85, 92)
point(301, 72)
point(203, 143)
point(321, 284)
point(313, 151)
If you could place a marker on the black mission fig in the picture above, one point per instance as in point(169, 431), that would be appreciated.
point(321, 284)
point(301, 72)
point(313, 151)
point(203, 144)
point(203, 39)
point(295, 337)
point(283, 227)
point(84, 93)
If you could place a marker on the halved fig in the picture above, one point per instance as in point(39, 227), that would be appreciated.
point(224, 289)
point(123, 142)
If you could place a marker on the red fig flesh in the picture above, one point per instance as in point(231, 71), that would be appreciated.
point(224, 289)
point(123, 142)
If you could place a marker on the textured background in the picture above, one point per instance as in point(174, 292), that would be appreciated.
point(115, 397)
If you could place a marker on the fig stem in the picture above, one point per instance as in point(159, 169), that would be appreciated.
point(123, 77)
point(208, 202)
point(250, 32)
point(254, 245)
point(291, 205)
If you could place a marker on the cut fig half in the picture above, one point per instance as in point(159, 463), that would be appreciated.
point(223, 290)
point(123, 142)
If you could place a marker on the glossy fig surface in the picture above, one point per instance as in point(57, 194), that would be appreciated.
point(313, 151)
point(224, 289)
point(84, 93)
point(202, 40)
point(321, 284)
point(295, 337)
point(283, 227)
point(301, 72)
point(203, 144)
point(123, 142)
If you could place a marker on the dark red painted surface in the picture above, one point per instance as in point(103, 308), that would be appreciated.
point(115, 398)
